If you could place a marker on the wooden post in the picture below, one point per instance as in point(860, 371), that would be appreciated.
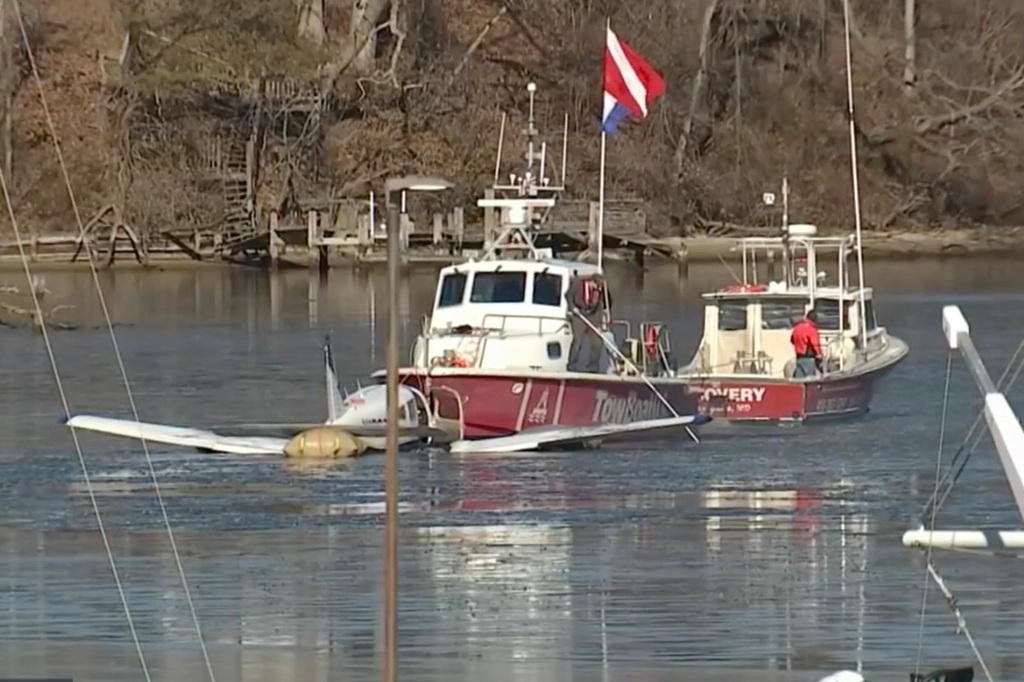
point(364, 232)
point(592, 231)
point(490, 222)
point(312, 238)
point(324, 260)
point(405, 228)
point(272, 240)
point(458, 226)
point(438, 229)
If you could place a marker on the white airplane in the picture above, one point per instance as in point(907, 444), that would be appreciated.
point(358, 423)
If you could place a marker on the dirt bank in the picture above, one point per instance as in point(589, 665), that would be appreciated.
point(969, 242)
point(972, 242)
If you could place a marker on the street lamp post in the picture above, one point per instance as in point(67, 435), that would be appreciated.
point(410, 183)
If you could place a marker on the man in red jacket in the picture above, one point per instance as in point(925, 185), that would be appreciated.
point(807, 346)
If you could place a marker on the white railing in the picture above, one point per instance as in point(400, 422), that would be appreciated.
point(561, 323)
point(1009, 440)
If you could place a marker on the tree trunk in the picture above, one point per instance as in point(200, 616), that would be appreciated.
point(910, 48)
point(698, 87)
point(311, 22)
point(7, 84)
point(366, 14)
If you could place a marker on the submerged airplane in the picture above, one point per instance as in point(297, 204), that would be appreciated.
point(358, 423)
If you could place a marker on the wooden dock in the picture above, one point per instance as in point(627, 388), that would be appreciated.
point(352, 233)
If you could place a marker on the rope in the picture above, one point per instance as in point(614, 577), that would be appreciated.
point(67, 411)
point(961, 622)
point(935, 510)
point(610, 346)
point(113, 339)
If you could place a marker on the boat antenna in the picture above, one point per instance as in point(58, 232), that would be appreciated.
point(785, 232)
point(565, 147)
point(501, 141)
point(856, 185)
point(532, 155)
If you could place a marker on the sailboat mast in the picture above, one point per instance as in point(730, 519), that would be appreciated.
point(856, 184)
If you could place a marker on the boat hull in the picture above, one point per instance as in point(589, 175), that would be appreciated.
point(748, 399)
point(500, 404)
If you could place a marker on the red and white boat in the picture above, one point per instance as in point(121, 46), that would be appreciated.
point(501, 331)
point(744, 364)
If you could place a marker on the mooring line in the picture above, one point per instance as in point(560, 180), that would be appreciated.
point(113, 337)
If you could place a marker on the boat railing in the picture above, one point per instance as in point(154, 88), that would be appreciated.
point(803, 250)
point(561, 323)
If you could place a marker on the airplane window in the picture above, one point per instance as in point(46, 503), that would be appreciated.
point(452, 289)
point(498, 287)
point(547, 289)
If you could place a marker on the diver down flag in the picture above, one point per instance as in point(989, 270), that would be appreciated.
point(631, 84)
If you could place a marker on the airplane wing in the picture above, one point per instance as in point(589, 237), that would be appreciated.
point(178, 435)
point(531, 439)
point(435, 433)
point(208, 439)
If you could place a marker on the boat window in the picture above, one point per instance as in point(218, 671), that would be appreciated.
point(547, 289)
point(828, 314)
point(498, 287)
point(869, 313)
point(732, 316)
point(452, 289)
point(554, 350)
point(782, 314)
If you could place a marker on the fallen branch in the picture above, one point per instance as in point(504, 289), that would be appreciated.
point(473, 46)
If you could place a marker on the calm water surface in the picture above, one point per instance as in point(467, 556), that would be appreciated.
point(765, 552)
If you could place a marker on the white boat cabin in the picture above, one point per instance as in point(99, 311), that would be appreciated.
point(503, 314)
point(748, 325)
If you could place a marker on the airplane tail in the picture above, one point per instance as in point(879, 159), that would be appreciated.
point(335, 404)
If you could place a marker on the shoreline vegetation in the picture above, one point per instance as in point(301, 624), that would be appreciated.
point(979, 242)
point(207, 118)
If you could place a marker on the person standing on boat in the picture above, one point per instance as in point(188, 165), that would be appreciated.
point(807, 345)
point(584, 302)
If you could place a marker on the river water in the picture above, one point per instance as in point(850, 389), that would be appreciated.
point(768, 552)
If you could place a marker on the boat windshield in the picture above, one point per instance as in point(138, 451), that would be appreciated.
point(547, 289)
point(501, 287)
point(498, 287)
point(453, 288)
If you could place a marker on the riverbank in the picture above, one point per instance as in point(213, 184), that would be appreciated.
point(959, 243)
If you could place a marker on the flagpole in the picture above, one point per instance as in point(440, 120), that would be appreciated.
point(600, 189)
point(600, 204)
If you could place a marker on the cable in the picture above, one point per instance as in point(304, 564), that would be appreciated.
point(113, 337)
point(935, 510)
point(67, 411)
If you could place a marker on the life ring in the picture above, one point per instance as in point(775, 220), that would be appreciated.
point(744, 288)
point(651, 334)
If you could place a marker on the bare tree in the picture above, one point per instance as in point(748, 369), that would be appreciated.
point(910, 47)
point(311, 27)
point(8, 38)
